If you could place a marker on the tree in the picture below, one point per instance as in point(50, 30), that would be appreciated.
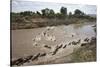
point(49, 13)
point(78, 13)
point(45, 12)
point(70, 14)
point(26, 13)
point(63, 10)
point(58, 15)
point(38, 13)
point(52, 12)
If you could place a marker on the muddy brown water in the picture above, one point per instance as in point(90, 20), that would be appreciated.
point(23, 43)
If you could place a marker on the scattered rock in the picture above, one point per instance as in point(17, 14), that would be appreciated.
point(35, 44)
point(38, 38)
point(50, 38)
point(94, 26)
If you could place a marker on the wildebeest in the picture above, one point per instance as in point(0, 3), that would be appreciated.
point(36, 57)
point(28, 58)
point(43, 54)
point(74, 43)
point(21, 61)
point(79, 41)
point(86, 39)
point(18, 62)
point(44, 33)
point(47, 46)
point(60, 46)
point(69, 43)
point(72, 35)
point(64, 46)
point(83, 44)
point(57, 48)
point(93, 40)
point(55, 51)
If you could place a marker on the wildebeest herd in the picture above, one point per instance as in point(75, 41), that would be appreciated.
point(27, 59)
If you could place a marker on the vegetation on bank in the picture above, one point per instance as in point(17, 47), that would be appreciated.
point(86, 53)
point(47, 17)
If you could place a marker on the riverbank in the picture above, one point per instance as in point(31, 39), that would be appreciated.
point(44, 22)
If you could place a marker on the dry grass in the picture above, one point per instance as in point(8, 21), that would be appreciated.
point(85, 54)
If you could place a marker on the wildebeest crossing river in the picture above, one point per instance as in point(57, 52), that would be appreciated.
point(42, 45)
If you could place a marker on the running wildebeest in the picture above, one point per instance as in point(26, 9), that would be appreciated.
point(72, 35)
point(69, 43)
point(57, 48)
point(79, 41)
point(43, 54)
point(47, 46)
point(65, 46)
point(21, 61)
point(74, 43)
point(86, 39)
point(36, 57)
point(44, 33)
point(28, 58)
point(93, 40)
point(83, 44)
point(60, 46)
point(18, 62)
